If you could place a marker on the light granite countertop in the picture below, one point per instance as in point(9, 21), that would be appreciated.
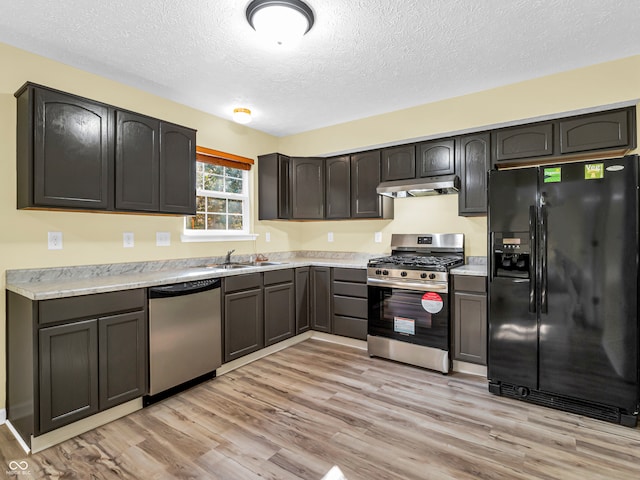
point(51, 283)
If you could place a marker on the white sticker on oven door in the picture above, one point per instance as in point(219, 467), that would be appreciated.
point(404, 325)
point(432, 302)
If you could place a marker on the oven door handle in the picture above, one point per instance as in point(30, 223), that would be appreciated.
point(420, 286)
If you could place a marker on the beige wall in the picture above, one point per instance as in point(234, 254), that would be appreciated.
point(97, 238)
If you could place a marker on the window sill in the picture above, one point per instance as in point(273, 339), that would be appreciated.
point(213, 237)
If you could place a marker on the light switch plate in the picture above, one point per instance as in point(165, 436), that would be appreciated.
point(377, 237)
point(330, 237)
point(163, 239)
point(267, 237)
point(55, 240)
point(127, 240)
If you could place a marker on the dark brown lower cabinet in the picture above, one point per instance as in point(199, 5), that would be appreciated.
point(68, 367)
point(321, 299)
point(350, 307)
point(243, 323)
point(69, 358)
point(303, 315)
point(470, 319)
point(279, 306)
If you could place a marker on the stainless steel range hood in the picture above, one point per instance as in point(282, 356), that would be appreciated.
point(420, 187)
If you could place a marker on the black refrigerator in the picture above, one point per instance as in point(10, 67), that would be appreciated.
point(563, 287)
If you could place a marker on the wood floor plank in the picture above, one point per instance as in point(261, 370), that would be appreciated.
point(295, 414)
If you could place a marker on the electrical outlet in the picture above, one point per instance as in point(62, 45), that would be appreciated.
point(55, 240)
point(267, 237)
point(377, 237)
point(330, 237)
point(163, 239)
point(127, 240)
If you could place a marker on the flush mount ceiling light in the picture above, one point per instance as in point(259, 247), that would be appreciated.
point(280, 20)
point(241, 115)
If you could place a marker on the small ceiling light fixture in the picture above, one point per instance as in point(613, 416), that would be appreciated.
point(241, 115)
point(280, 20)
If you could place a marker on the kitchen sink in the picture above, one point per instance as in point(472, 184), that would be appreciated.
point(234, 266)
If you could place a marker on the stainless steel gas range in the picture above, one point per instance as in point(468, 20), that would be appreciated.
point(408, 296)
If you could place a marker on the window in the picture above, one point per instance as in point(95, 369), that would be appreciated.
point(222, 199)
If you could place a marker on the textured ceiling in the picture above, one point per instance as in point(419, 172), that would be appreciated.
point(361, 58)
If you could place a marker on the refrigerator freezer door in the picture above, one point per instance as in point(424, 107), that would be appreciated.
point(513, 327)
point(588, 338)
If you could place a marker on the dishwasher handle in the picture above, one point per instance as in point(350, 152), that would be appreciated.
point(184, 288)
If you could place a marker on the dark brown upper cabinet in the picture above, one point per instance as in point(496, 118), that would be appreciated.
point(137, 162)
point(75, 153)
point(274, 187)
point(365, 177)
point(338, 187)
point(436, 157)
point(63, 158)
point(398, 163)
point(598, 131)
point(177, 169)
point(307, 188)
point(473, 157)
point(528, 141)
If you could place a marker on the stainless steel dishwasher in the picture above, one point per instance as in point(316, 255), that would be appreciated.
point(185, 335)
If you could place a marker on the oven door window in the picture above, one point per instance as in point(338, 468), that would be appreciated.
point(411, 316)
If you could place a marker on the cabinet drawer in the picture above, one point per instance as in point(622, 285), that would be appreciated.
point(86, 306)
point(349, 289)
point(242, 282)
point(350, 307)
point(350, 327)
point(350, 274)
point(278, 276)
point(469, 283)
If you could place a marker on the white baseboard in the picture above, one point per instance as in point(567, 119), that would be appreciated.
point(349, 342)
point(470, 368)
point(18, 438)
point(3, 415)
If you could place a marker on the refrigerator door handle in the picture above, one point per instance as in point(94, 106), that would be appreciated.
point(532, 262)
point(543, 259)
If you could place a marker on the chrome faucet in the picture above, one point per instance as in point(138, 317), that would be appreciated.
point(227, 259)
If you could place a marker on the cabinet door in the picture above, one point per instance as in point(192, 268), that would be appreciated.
point(399, 163)
point(70, 151)
point(137, 162)
point(473, 166)
point(177, 169)
point(321, 299)
point(274, 187)
point(365, 177)
point(470, 327)
point(122, 358)
point(279, 313)
point(307, 192)
point(243, 323)
point(436, 158)
point(529, 141)
point(595, 132)
point(303, 315)
point(68, 361)
point(338, 188)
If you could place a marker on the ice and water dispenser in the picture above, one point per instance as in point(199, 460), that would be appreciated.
point(511, 254)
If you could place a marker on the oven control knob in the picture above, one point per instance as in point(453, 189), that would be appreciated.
point(378, 272)
point(432, 276)
point(385, 272)
point(423, 275)
point(403, 274)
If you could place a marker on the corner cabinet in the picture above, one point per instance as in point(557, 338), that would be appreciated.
point(473, 165)
point(77, 154)
point(470, 319)
point(69, 358)
point(338, 187)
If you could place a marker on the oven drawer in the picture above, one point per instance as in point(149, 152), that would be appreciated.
point(350, 306)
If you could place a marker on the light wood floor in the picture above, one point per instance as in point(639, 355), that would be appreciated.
point(298, 412)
